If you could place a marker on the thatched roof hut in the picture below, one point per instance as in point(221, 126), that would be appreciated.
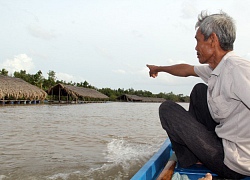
point(15, 88)
point(75, 92)
point(135, 98)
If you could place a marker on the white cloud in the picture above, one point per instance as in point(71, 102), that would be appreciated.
point(39, 32)
point(247, 56)
point(104, 52)
point(68, 77)
point(172, 62)
point(19, 62)
point(137, 34)
point(119, 71)
point(64, 76)
point(189, 10)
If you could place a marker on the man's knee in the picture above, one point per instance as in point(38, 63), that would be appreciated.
point(171, 114)
point(200, 87)
point(164, 113)
point(165, 107)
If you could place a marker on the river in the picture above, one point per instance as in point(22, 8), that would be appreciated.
point(92, 141)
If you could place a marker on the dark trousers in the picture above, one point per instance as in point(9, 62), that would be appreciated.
point(192, 133)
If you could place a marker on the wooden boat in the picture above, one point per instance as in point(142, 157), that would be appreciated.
point(159, 167)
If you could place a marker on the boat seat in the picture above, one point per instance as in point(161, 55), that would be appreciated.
point(193, 171)
point(197, 170)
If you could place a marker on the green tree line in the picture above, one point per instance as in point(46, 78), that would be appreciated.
point(40, 81)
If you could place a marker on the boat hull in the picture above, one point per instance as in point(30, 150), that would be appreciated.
point(152, 169)
point(156, 163)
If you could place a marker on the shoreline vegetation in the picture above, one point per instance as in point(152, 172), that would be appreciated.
point(45, 84)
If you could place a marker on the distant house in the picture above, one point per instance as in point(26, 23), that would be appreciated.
point(68, 93)
point(135, 98)
point(15, 90)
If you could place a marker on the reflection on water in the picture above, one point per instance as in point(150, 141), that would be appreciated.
point(87, 141)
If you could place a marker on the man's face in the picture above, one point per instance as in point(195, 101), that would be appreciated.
point(204, 48)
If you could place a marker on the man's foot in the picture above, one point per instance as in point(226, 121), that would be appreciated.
point(200, 163)
point(207, 177)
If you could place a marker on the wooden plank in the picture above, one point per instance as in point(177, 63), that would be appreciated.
point(168, 171)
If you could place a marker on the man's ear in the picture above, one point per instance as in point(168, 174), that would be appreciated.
point(214, 40)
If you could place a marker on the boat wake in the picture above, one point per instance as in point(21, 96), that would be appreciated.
point(123, 160)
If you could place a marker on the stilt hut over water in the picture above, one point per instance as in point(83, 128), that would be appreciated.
point(135, 98)
point(17, 91)
point(72, 94)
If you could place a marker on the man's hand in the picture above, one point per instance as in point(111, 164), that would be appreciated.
point(152, 71)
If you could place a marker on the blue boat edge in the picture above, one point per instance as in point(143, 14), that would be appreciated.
point(153, 168)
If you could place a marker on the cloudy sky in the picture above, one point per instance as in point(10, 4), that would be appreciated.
point(109, 42)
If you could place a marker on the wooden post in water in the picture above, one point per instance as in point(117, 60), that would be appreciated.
point(59, 94)
point(52, 98)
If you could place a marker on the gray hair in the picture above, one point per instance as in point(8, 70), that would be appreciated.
point(221, 24)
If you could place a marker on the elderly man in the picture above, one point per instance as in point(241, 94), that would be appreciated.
point(215, 129)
